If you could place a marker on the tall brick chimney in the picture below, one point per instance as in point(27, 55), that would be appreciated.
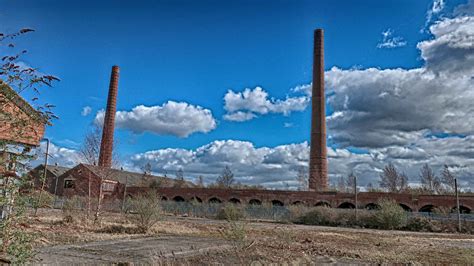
point(107, 143)
point(318, 167)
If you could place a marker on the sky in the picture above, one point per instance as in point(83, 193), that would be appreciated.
point(205, 84)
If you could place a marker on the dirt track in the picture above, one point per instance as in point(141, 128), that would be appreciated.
point(131, 250)
point(200, 241)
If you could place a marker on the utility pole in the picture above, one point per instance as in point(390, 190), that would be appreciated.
point(89, 196)
point(56, 188)
point(44, 175)
point(458, 209)
point(124, 191)
point(355, 193)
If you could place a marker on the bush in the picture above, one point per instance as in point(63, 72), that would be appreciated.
point(390, 215)
point(73, 209)
point(144, 211)
point(297, 210)
point(38, 199)
point(230, 212)
point(421, 224)
point(319, 216)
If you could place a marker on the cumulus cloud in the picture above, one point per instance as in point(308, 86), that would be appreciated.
point(278, 166)
point(390, 115)
point(86, 110)
point(57, 154)
point(379, 107)
point(451, 51)
point(172, 118)
point(390, 41)
point(239, 116)
point(246, 105)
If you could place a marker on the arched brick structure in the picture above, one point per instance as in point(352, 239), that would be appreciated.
point(309, 198)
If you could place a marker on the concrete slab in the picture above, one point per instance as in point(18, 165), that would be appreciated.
point(130, 250)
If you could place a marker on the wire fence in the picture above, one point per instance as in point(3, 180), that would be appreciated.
point(255, 212)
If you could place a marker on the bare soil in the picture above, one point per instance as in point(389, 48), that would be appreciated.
point(191, 241)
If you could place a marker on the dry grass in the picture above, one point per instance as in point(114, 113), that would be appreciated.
point(276, 242)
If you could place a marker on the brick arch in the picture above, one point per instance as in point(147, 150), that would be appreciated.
point(346, 205)
point(255, 202)
point(427, 208)
point(372, 206)
point(163, 198)
point(215, 200)
point(405, 207)
point(178, 199)
point(276, 202)
point(323, 203)
point(463, 208)
point(196, 199)
point(298, 202)
point(234, 200)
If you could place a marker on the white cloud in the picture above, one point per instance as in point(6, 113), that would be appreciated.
point(390, 41)
point(86, 110)
point(57, 154)
point(451, 51)
point(287, 125)
point(246, 105)
point(436, 8)
point(239, 116)
point(277, 166)
point(172, 118)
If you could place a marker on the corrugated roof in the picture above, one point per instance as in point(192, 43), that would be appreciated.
point(54, 169)
point(132, 178)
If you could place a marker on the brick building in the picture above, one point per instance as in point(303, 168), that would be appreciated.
point(21, 128)
point(53, 172)
point(84, 179)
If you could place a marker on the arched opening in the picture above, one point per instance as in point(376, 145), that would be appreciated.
point(196, 199)
point(298, 202)
point(462, 209)
point(277, 203)
point(372, 206)
point(129, 196)
point(427, 208)
point(178, 199)
point(163, 198)
point(255, 202)
point(215, 200)
point(346, 205)
point(323, 204)
point(405, 207)
point(234, 201)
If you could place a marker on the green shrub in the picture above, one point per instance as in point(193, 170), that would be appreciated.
point(390, 215)
point(230, 212)
point(319, 216)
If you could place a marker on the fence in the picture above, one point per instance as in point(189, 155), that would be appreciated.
point(256, 212)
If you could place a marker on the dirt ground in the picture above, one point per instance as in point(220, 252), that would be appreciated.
point(184, 240)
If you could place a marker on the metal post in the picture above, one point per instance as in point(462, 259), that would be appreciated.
point(45, 164)
point(124, 193)
point(458, 209)
point(56, 188)
point(44, 174)
point(355, 193)
point(89, 196)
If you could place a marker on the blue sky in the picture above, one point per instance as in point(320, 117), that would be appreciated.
point(195, 51)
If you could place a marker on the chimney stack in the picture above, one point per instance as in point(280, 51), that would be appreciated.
point(107, 142)
point(318, 167)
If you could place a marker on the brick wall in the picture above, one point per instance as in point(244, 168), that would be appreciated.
point(333, 199)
